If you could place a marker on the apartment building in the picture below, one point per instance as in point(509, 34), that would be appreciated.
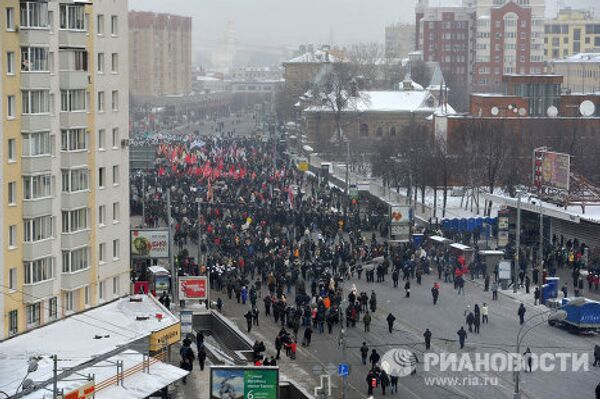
point(570, 33)
point(64, 162)
point(161, 54)
point(399, 40)
point(488, 37)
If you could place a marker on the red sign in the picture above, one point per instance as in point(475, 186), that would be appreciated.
point(192, 287)
point(141, 287)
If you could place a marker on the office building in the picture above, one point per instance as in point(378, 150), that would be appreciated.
point(570, 33)
point(64, 166)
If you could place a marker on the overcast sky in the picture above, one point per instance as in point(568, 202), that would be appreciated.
point(291, 22)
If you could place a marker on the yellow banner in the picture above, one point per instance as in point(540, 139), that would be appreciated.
point(303, 166)
point(169, 336)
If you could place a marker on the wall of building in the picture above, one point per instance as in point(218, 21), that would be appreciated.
point(579, 77)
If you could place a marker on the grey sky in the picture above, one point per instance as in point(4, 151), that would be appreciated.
point(291, 22)
point(286, 22)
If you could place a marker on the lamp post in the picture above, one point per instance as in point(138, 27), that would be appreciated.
point(557, 316)
point(541, 249)
point(518, 243)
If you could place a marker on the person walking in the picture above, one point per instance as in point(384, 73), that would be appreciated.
point(484, 313)
point(249, 316)
point(521, 313)
point(528, 358)
point(201, 356)
point(374, 358)
point(390, 320)
point(367, 322)
point(596, 355)
point(477, 319)
point(494, 291)
point(435, 292)
point(371, 382)
point(407, 289)
point(384, 380)
point(427, 336)
point(308, 331)
point(536, 296)
point(278, 346)
point(393, 384)
point(187, 359)
point(462, 336)
point(364, 353)
point(470, 321)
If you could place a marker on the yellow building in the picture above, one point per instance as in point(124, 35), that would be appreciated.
point(571, 32)
point(63, 159)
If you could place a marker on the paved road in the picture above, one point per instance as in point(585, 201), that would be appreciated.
point(417, 313)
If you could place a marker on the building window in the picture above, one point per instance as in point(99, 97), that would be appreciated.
point(392, 131)
point(100, 24)
point(72, 17)
point(12, 236)
point(74, 180)
point(115, 100)
point(102, 214)
point(116, 212)
point(36, 102)
point(116, 249)
point(115, 62)
point(73, 140)
point(69, 301)
point(101, 139)
point(102, 252)
point(75, 260)
point(86, 295)
point(39, 270)
point(10, 62)
point(364, 130)
point(12, 150)
point(115, 285)
point(114, 25)
point(73, 221)
point(36, 144)
point(379, 131)
point(115, 138)
point(11, 107)
point(100, 62)
point(12, 193)
point(100, 101)
point(12, 278)
point(34, 14)
point(10, 18)
point(33, 314)
point(73, 60)
point(52, 308)
point(101, 177)
point(34, 59)
point(101, 290)
point(115, 174)
point(13, 322)
point(37, 229)
point(73, 100)
point(36, 187)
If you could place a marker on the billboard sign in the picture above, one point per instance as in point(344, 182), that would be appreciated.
point(505, 270)
point(150, 243)
point(192, 287)
point(400, 218)
point(244, 382)
point(551, 170)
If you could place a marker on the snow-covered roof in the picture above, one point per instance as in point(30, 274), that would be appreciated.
point(313, 57)
point(80, 338)
point(581, 57)
point(388, 101)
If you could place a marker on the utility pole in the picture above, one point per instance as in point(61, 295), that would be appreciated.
point(518, 249)
point(143, 200)
point(54, 377)
point(541, 249)
point(171, 249)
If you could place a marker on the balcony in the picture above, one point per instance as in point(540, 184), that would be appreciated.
point(70, 159)
point(70, 80)
point(36, 164)
point(32, 293)
point(75, 200)
point(72, 281)
point(73, 119)
point(38, 249)
point(35, 122)
point(29, 35)
point(35, 80)
point(72, 38)
point(38, 207)
point(75, 240)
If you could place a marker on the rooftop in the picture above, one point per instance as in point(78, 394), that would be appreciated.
point(314, 57)
point(581, 57)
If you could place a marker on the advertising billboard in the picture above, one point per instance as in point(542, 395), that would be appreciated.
point(551, 170)
point(150, 243)
point(192, 287)
point(400, 218)
point(244, 382)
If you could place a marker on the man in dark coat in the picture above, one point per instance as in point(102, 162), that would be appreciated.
point(374, 358)
point(390, 320)
point(462, 336)
point(521, 313)
point(427, 336)
point(248, 316)
point(364, 353)
point(307, 335)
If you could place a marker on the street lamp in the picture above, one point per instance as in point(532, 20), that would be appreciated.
point(518, 243)
point(555, 316)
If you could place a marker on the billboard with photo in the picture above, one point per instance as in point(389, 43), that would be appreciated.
point(551, 170)
point(244, 382)
point(192, 287)
point(149, 243)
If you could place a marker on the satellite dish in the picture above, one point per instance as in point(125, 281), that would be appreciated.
point(495, 111)
point(552, 111)
point(515, 110)
point(522, 112)
point(510, 106)
point(587, 108)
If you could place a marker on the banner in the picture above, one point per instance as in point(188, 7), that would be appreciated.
point(150, 243)
point(551, 170)
point(192, 287)
point(400, 219)
point(244, 382)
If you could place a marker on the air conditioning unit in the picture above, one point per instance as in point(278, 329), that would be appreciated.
point(124, 143)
